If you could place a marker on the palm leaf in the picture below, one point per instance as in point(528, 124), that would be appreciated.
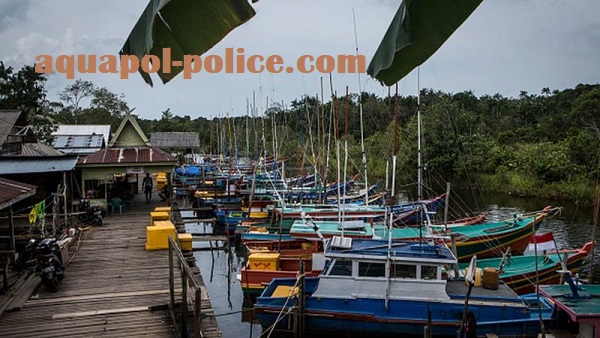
point(184, 26)
point(417, 30)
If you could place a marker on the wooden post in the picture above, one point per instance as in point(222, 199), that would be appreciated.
point(171, 276)
point(303, 301)
point(198, 313)
point(591, 254)
point(446, 206)
point(455, 251)
point(427, 332)
point(64, 195)
point(184, 305)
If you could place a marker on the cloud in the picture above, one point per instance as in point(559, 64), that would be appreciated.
point(504, 47)
point(13, 12)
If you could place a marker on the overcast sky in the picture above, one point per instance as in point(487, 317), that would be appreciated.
point(505, 46)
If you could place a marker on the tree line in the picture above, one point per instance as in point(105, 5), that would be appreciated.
point(544, 144)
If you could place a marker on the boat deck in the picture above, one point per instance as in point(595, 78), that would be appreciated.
point(457, 289)
point(112, 287)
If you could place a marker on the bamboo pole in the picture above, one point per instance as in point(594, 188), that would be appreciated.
point(596, 210)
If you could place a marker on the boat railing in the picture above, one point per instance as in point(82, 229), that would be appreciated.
point(190, 290)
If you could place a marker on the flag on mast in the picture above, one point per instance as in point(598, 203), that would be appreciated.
point(545, 241)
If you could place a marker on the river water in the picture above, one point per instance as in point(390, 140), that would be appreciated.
point(572, 228)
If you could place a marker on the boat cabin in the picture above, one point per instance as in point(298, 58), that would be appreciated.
point(366, 267)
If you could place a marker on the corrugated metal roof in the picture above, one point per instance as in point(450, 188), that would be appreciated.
point(12, 192)
point(128, 155)
point(8, 118)
point(84, 129)
point(175, 140)
point(79, 151)
point(68, 143)
point(30, 165)
point(38, 149)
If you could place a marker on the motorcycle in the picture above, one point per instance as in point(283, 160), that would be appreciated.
point(49, 262)
point(91, 215)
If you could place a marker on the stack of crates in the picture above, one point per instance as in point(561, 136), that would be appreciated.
point(157, 234)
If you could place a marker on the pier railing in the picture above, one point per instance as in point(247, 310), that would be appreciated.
point(190, 290)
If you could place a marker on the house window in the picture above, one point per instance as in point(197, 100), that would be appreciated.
point(367, 269)
point(341, 268)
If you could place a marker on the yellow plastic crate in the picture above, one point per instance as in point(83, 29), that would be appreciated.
point(157, 237)
point(163, 223)
point(185, 240)
point(159, 216)
point(163, 209)
point(264, 261)
point(161, 180)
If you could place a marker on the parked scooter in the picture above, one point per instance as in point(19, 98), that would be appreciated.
point(49, 262)
point(91, 215)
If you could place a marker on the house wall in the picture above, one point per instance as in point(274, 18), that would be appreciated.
point(129, 138)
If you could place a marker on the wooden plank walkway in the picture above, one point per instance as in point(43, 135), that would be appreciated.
point(112, 287)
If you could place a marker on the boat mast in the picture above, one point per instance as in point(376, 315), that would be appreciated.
point(419, 166)
point(345, 156)
point(388, 266)
point(360, 109)
point(247, 130)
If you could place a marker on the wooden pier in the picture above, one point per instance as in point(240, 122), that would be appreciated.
point(113, 287)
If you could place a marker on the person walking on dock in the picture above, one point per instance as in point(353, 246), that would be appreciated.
point(147, 184)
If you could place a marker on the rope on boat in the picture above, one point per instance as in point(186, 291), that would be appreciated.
point(280, 316)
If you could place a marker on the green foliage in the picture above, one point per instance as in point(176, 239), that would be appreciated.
point(24, 90)
point(83, 103)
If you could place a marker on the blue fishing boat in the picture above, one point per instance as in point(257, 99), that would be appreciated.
point(380, 288)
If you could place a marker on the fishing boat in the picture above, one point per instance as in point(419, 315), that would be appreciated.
point(577, 306)
point(489, 239)
point(519, 272)
point(411, 213)
point(374, 288)
point(471, 220)
point(285, 215)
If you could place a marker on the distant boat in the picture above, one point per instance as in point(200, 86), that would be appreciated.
point(371, 289)
point(484, 240)
point(411, 213)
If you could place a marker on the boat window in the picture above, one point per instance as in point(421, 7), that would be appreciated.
point(404, 271)
point(428, 272)
point(341, 268)
point(367, 269)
